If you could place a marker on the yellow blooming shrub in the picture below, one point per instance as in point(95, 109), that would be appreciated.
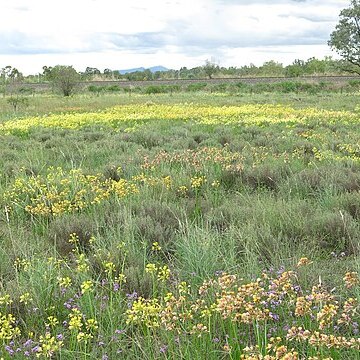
point(48, 345)
point(58, 192)
point(8, 328)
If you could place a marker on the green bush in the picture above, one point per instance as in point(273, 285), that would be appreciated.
point(196, 87)
point(113, 88)
point(155, 89)
point(95, 89)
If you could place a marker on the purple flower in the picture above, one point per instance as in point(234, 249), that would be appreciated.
point(68, 304)
point(27, 353)
point(28, 343)
point(132, 296)
point(163, 349)
point(60, 337)
point(271, 332)
point(9, 350)
point(274, 316)
point(105, 357)
point(35, 349)
point(101, 343)
point(216, 340)
point(63, 291)
point(119, 332)
point(275, 303)
point(286, 328)
point(116, 287)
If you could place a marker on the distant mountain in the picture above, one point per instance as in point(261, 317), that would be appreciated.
point(152, 69)
point(158, 68)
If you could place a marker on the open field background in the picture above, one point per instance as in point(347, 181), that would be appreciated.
point(172, 225)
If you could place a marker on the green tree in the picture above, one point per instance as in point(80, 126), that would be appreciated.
point(17, 101)
point(210, 69)
point(11, 79)
point(271, 68)
point(46, 72)
point(345, 39)
point(108, 73)
point(91, 72)
point(64, 78)
point(296, 69)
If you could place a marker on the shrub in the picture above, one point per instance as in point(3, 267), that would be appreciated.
point(219, 87)
point(196, 87)
point(96, 89)
point(157, 221)
point(60, 231)
point(155, 89)
point(113, 88)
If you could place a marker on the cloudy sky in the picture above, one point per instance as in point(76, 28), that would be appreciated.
point(121, 34)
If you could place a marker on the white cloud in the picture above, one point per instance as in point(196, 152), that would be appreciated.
point(174, 33)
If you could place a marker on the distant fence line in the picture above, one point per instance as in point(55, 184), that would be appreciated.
point(246, 80)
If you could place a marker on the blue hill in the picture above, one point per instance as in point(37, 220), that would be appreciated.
point(152, 69)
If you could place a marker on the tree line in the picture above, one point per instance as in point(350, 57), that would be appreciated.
point(311, 66)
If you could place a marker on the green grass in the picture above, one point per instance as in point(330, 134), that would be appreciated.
point(216, 198)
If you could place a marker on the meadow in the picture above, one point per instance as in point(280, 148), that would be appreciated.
point(180, 226)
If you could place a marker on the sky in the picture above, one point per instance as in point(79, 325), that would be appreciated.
point(122, 34)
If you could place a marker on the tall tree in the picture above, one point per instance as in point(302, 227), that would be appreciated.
point(11, 79)
point(47, 72)
point(345, 39)
point(210, 68)
point(64, 78)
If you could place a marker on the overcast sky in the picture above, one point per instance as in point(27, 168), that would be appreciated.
point(121, 34)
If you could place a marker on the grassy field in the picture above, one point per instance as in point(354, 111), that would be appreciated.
point(174, 226)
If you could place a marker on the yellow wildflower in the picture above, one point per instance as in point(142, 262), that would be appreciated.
point(26, 298)
point(304, 261)
point(87, 286)
point(151, 268)
point(155, 246)
point(65, 282)
point(351, 279)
